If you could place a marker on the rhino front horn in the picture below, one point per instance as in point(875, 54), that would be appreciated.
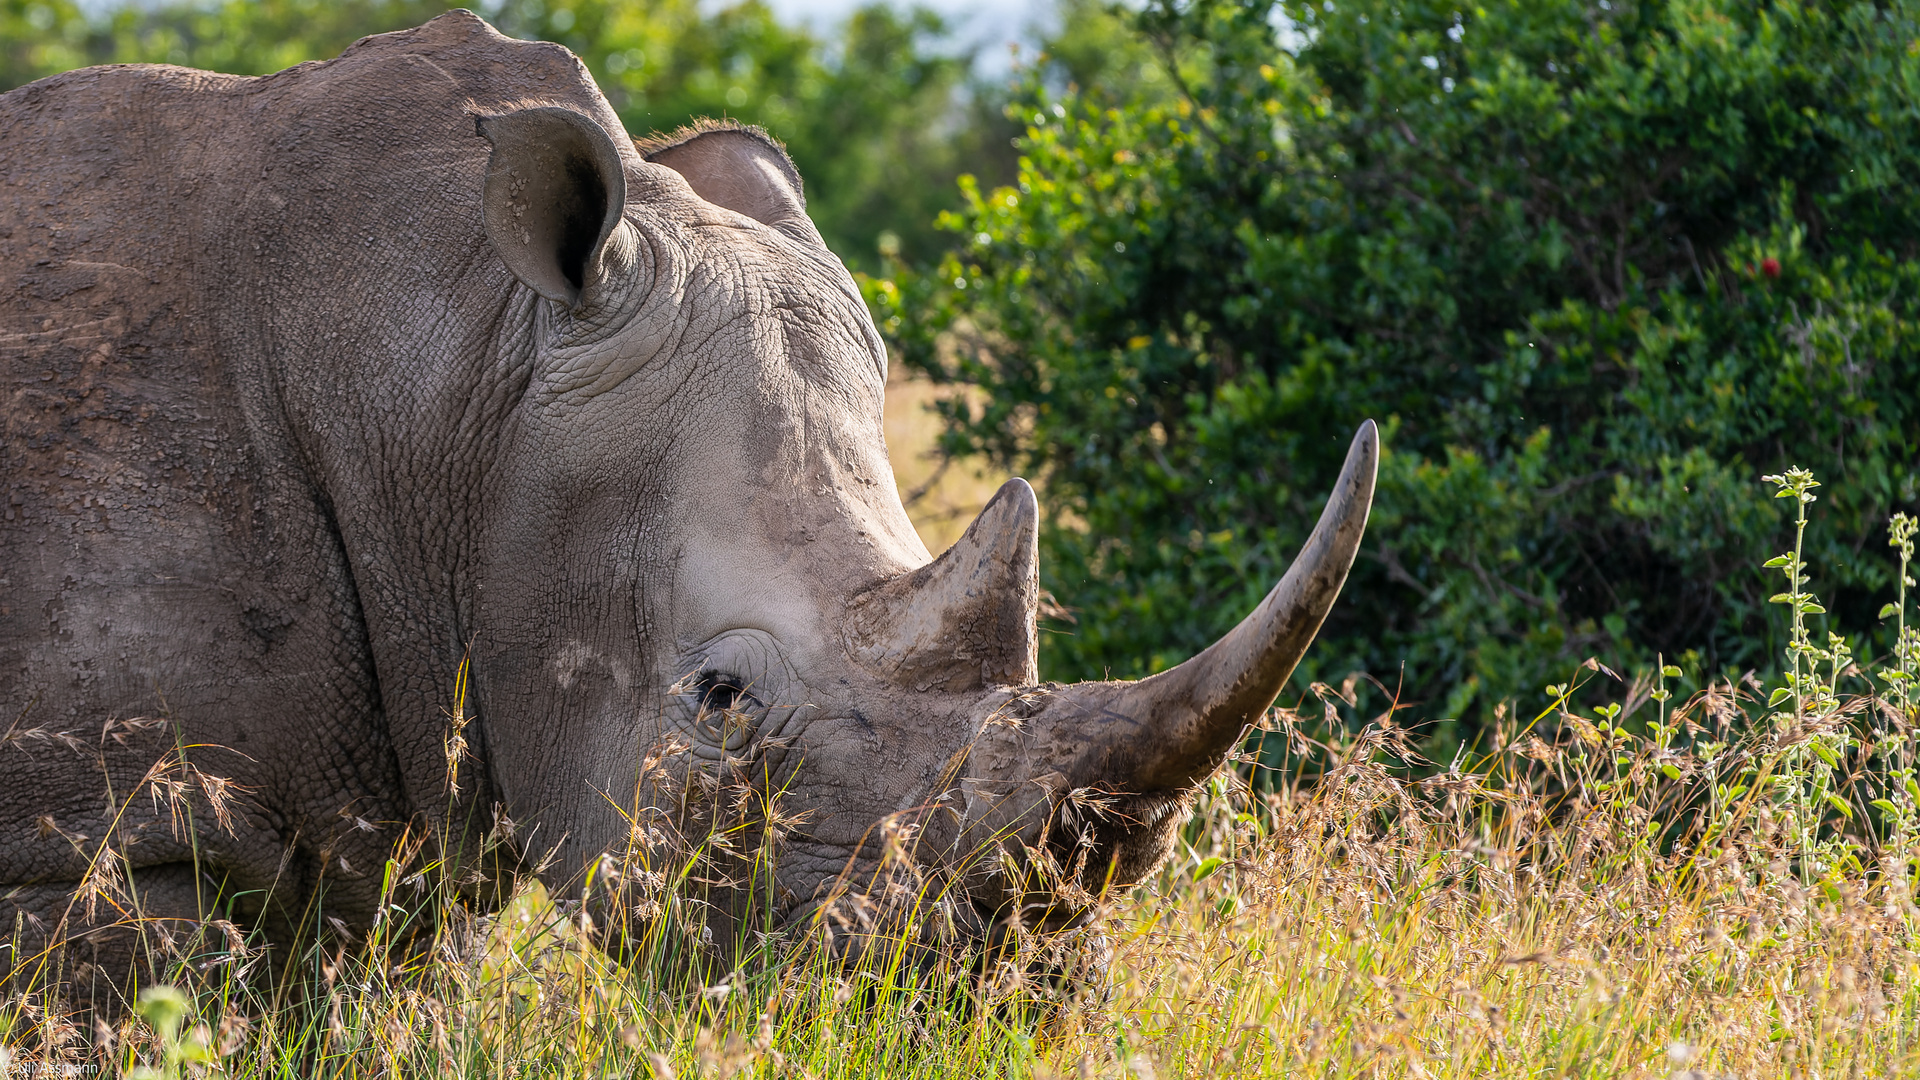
point(1170, 731)
point(964, 621)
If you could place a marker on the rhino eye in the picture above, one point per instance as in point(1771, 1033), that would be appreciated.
point(721, 692)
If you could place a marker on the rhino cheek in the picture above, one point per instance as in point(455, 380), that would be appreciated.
point(577, 660)
point(570, 784)
point(563, 668)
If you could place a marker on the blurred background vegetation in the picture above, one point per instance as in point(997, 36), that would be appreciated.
point(1596, 266)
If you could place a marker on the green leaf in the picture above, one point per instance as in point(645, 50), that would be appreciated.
point(1670, 672)
point(1840, 804)
point(1207, 867)
point(1811, 608)
point(1672, 770)
point(1780, 694)
point(1067, 308)
point(1781, 598)
point(166, 1008)
point(1885, 807)
point(1889, 609)
point(1825, 753)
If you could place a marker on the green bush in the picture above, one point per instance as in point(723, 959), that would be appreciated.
point(1596, 267)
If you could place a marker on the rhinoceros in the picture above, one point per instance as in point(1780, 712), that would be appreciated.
point(394, 449)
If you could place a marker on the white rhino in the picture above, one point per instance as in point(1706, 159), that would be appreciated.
point(341, 395)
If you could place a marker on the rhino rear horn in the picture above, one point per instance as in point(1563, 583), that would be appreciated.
point(966, 620)
point(555, 190)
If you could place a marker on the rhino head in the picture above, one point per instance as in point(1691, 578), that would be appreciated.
point(699, 599)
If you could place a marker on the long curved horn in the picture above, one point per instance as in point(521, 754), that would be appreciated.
point(1169, 731)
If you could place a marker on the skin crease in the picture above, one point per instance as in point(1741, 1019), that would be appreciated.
point(303, 413)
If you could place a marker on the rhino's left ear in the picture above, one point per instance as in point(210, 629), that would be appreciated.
point(554, 193)
point(741, 168)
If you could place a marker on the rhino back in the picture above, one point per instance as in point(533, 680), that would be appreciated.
point(253, 353)
point(133, 507)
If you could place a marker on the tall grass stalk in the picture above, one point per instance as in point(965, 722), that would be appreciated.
point(1713, 887)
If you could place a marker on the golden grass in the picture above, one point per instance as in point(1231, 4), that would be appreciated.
point(1719, 890)
point(942, 496)
point(1351, 949)
point(1566, 909)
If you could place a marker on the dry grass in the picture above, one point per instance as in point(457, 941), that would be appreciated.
point(1569, 907)
point(1719, 889)
point(1475, 926)
point(942, 495)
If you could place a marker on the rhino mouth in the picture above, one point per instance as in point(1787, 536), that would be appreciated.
point(1111, 841)
point(1153, 810)
point(1096, 846)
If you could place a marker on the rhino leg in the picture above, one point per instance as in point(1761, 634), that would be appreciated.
point(94, 964)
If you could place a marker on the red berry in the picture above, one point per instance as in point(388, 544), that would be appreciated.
point(1770, 266)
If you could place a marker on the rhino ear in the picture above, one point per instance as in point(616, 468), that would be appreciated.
point(554, 192)
point(740, 168)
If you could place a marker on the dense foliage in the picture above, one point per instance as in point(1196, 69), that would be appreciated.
point(878, 118)
point(1595, 265)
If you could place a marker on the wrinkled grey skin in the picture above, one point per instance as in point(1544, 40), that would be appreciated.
point(319, 383)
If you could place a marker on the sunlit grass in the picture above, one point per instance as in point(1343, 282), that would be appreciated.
point(1716, 888)
point(1461, 926)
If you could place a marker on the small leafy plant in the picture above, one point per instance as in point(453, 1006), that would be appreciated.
point(167, 1009)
